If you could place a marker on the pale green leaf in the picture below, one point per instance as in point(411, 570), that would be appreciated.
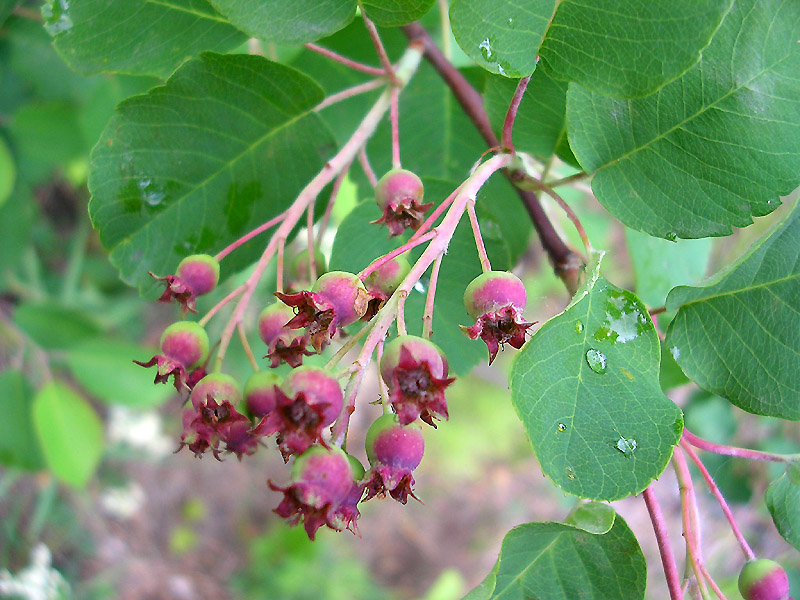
point(295, 22)
point(738, 337)
point(593, 517)
point(783, 502)
point(148, 37)
point(19, 446)
point(710, 150)
point(70, 433)
point(586, 388)
point(53, 326)
point(191, 166)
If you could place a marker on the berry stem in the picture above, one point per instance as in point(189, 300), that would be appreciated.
point(699, 442)
point(202, 322)
point(406, 68)
point(427, 317)
point(361, 88)
point(401, 313)
point(394, 116)
point(657, 311)
point(664, 545)
point(249, 236)
point(712, 486)
point(385, 404)
point(388, 70)
point(511, 115)
point(337, 184)
point(357, 66)
point(486, 266)
point(379, 262)
point(281, 266)
point(435, 214)
point(567, 180)
point(346, 347)
point(363, 160)
point(246, 346)
point(312, 260)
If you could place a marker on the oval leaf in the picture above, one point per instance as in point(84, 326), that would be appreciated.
point(19, 446)
point(70, 433)
point(136, 36)
point(738, 337)
point(783, 502)
point(189, 167)
point(392, 13)
point(555, 561)
point(295, 22)
point(710, 150)
point(586, 388)
point(53, 326)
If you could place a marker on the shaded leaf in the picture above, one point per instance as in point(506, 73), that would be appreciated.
point(738, 336)
point(54, 327)
point(592, 517)
point(105, 368)
point(391, 13)
point(8, 172)
point(783, 502)
point(191, 166)
point(70, 433)
point(628, 48)
point(710, 150)
point(19, 446)
point(295, 22)
point(586, 388)
point(148, 37)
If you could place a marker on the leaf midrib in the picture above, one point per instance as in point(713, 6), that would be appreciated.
point(190, 11)
point(766, 284)
point(532, 562)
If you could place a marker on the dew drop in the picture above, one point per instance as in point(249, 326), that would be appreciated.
point(55, 14)
point(570, 472)
point(672, 236)
point(486, 50)
point(578, 327)
point(675, 351)
point(562, 427)
point(626, 445)
point(597, 361)
point(420, 287)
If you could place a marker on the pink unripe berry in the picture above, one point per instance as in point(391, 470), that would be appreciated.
point(386, 278)
point(272, 321)
point(259, 393)
point(492, 291)
point(200, 272)
point(397, 187)
point(322, 476)
point(219, 386)
point(186, 343)
point(391, 444)
point(318, 386)
point(346, 293)
point(763, 579)
point(420, 349)
point(299, 268)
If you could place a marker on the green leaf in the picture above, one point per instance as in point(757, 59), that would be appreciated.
point(295, 22)
point(191, 166)
point(555, 561)
point(54, 327)
point(16, 221)
point(502, 36)
point(628, 48)
point(6, 6)
point(8, 172)
point(106, 369)
point(586, 388)
point(738, 336)
point(710, 150)
point(783, 502)
point(149, 37)
point(541, 126)
point(70, 433)
point(484, 590)
point(660, 265)
point(19, 446)
point(392, 13)
point(592, 517)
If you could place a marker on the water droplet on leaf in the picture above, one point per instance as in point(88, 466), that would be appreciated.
point(675, 351)
point(626, 445)
point(562, 427)
point(55, 14)
point(672, 236)
point(578, 327)
point(597, 360)
point(486, 50)
point(570, 472)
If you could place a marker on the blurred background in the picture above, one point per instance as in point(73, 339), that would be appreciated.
point(125, 517)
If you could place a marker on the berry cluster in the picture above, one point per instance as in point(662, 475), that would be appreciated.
point(326, 484)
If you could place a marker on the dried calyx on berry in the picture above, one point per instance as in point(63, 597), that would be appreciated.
point(307, 401)
point(415, 370)
point(212, 420)
point(496, 300)
point(184, 348)
point(394, 451)
point(382, 283)
point(321, 479)
point(763, 579)
point(346, 514)
point(260, 395)
point(195, 276)
point(284, 344)
point(399, 195)
point(337, 299)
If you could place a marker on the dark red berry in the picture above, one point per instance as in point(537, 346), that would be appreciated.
point(259, 393)
point(394, 451)
point(321, 479)
point(496, 299)
point(763, 579)
point(184, 348)
point(308, 400)
point(284, 344)
point(415, 371)
point(196, 275)
point(399, 195)
point(382, 283)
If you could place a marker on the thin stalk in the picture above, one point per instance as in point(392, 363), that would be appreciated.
point(246, 346)
point(347, 62)
point(486, 266)
point(388, 70)
point(712, 486)
point(567, 180)
point(691, 526)
point(401, 313)
point(249, 236)
point(385, 402)
point(202, 322)
point(664, 545)
point(699, 442)
point(394, 117)
point(363, 160)
point(427, 316)
point(426, 225)
point(511, 115)
point(281, 267)
point(361, 88)
point(379, 262)
point(312, 260)
point(337, 184)
point(346, 347)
